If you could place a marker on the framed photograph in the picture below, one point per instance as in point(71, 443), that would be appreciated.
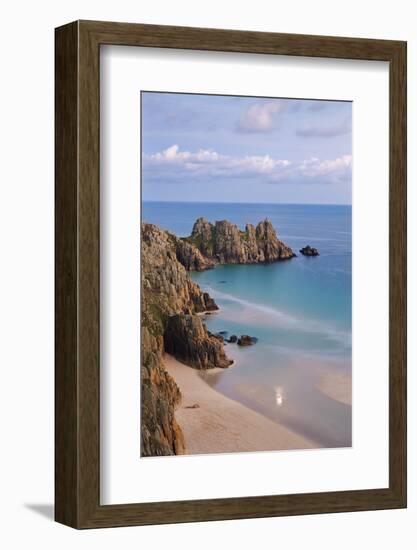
point(230, 274)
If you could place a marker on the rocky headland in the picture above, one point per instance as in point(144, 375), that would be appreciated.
point(224, 243)
point(170, 308)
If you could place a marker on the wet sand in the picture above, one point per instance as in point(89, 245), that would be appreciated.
point(337, 386)
point(213, 423)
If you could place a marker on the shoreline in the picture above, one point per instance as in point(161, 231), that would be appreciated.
point(214, 423)
point(337, 386)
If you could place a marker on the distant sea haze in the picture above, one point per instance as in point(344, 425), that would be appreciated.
point(299, 309)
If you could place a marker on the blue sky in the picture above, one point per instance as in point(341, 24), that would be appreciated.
point(245, 149)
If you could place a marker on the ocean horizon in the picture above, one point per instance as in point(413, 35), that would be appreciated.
point(299, 310)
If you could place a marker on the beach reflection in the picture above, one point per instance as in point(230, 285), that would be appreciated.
point(285, 390)
point(279, 396)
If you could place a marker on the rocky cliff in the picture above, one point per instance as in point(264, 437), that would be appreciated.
point(191, 257)
point(187, 338)
point(169, 308)
point(160, 433)
point(170, 302)
point(224, 243)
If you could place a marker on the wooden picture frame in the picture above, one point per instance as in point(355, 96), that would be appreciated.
point(77, 382)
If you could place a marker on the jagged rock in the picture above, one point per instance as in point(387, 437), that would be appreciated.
point(191, 257)
point(202, 236)
point(246, 340)
point(166, 286)
point(187, 339)
point(224, 243)
point(160, 433)
point(233, 339)
point(209, 303)
point(309, 251)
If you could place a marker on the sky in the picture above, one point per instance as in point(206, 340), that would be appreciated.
point(208, 148)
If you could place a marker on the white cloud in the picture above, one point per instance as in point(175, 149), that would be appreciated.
point(260, 117)
point(315, 168)
point(173, 154)
point(172, 163)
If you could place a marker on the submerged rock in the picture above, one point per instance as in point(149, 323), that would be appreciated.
point(246, 340)
point(309, 251)
point(233, 339)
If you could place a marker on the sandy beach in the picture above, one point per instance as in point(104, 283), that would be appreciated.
point(213, 423)
point(338, 386)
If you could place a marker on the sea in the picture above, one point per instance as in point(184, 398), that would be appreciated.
point(300, 311)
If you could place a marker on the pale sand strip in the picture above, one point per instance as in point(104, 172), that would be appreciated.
point(338, 386)
point(221, 425)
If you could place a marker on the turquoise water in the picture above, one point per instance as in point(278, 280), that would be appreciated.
point(300, 311)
